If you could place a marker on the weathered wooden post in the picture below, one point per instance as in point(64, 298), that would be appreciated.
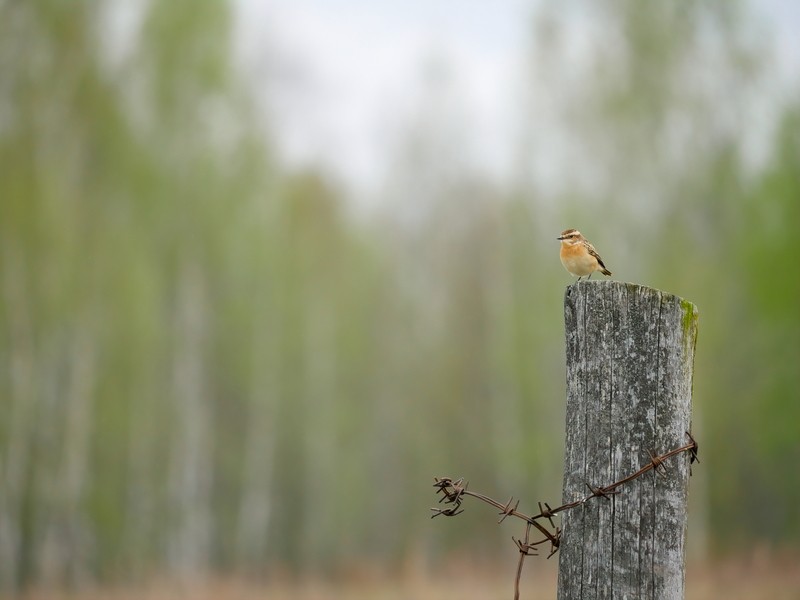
point(630, 356)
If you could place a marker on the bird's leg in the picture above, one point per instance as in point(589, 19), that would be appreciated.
point(590, 276)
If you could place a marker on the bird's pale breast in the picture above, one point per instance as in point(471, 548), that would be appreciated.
point(577, 260)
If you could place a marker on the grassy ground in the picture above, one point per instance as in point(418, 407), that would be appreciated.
point(767, 577)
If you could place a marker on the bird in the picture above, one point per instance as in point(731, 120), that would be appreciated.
point(578, 256)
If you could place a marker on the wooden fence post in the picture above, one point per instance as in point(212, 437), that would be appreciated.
point(630, 356)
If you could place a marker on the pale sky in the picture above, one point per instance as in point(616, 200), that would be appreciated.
point(340, 72)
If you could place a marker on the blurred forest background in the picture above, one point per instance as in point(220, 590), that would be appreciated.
point(212, 362)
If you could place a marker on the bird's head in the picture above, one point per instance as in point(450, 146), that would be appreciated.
point(570, 237)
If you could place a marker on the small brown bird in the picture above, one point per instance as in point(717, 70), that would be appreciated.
point(578, 256)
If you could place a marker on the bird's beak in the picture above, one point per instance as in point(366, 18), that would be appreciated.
point(560, 238)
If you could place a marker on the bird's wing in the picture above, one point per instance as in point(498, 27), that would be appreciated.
point(594, 253)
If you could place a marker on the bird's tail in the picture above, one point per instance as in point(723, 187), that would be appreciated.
point(605, 271)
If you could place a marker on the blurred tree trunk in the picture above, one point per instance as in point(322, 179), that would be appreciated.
point(16, 455)
point(143, 493)
point(67, 536)
point(255, 504)
point(319, 431)
point(191, 462)
point(506, 419)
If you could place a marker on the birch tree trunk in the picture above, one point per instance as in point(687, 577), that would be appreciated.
point(15, 461)
point(67, 538)
point(255, 505)
point(630, 355)
point(192, 460)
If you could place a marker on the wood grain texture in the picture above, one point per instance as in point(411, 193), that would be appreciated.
point(630, 357)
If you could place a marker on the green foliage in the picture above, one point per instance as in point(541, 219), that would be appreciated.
point(767, 343)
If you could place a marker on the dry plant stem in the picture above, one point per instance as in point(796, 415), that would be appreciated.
point(522, 555)
point(454, 490)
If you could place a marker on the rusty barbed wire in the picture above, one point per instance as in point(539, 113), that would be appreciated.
point(454, 491)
